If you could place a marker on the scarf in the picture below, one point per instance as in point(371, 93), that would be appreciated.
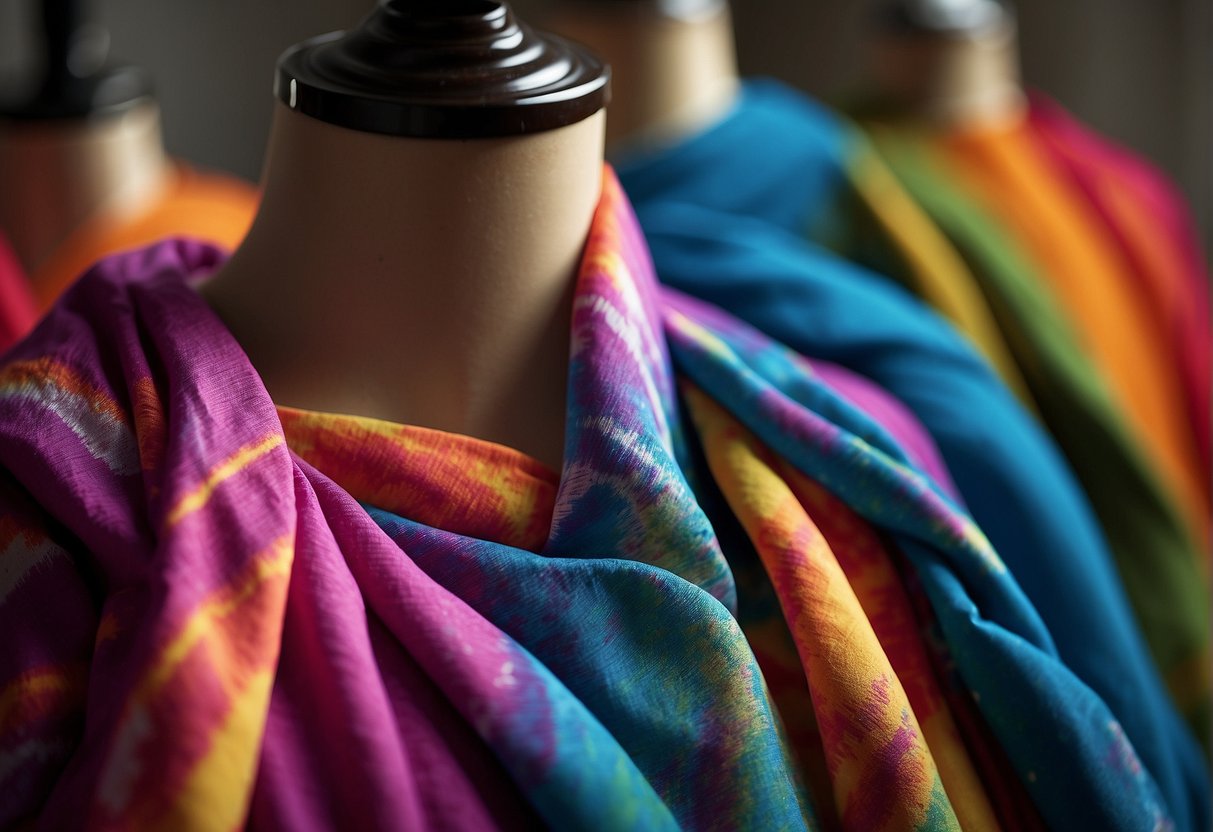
point(219, 612)
point(1008, 170)
point(810, 172)
point(1013, 480)
point(1154, 232)
point(750, 260)
point(1153, 552)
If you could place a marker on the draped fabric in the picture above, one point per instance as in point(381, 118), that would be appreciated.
point(1154, 232)
point(809, 172)
point(205, 206)
point(17, 310)
point(218, 612)
point(756, 263)
point(1154, 554)
point(1008, 170)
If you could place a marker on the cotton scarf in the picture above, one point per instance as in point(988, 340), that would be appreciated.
point(219, 613)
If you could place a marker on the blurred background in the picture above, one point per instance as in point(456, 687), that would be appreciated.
point(1140, 71)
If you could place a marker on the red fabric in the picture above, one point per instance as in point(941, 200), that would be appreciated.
point(17, 309)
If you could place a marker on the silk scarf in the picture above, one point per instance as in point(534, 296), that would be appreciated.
point(219, 612)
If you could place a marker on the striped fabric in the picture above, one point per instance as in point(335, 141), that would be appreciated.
point(1154, 553)
point(219, 614)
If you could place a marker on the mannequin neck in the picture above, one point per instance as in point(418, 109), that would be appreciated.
point(56, 176)
point(670, 78)
point(965, 80)
point(420, 281)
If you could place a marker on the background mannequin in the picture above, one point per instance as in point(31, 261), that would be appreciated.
point(949, 62)
point(674, 65)
point(424, 280)
point(87, 143)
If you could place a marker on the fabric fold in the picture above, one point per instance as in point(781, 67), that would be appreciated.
point(263, 648)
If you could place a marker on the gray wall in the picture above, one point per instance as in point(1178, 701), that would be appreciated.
point(1139, 70)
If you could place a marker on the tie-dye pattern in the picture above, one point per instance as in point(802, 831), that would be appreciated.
point(726, 212)
point(228, 614)
point(1043, 716)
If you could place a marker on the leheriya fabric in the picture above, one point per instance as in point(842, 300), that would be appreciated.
point(1012, 477)
point(275, 651)
point(17, 311)
point(1154, 231)
point(808, 171)
point(1005, 167)
point(205, 206)
point(1157, 562)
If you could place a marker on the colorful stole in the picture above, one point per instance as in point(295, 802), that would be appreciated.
point(219, 613)
point(1008, 171)
point(1154, 555)
point(1154, 232)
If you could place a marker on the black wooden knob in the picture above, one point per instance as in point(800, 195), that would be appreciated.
point(443, 69)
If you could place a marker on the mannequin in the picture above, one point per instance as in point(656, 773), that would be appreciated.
point(950, 62)
point(674, 63)
point(87, 143)
point(454, 259)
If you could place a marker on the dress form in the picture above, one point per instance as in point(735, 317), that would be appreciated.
point(423, 279)
point(949, 62)
point(674, 64)
point(88, 142)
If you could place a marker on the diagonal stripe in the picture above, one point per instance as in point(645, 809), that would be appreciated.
point(89, 411)
point(277, 561)
point(227, 469)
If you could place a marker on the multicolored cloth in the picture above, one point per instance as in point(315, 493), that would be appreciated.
point(810, 173)
point(1008, 169)
point(718, 213)
point(1153, 230)
point(1154, 553)
point(218, 612)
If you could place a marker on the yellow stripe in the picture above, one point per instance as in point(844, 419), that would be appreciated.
point(32, 686)
point(198, 498)
point(280, 556)
point(215, 797)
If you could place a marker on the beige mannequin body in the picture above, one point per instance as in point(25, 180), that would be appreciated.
point(56, 175)
point(419, 281)
point(947, 80)
point(671, 76)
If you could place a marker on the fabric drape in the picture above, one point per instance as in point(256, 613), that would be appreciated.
point(225, 612)
point(1146, 533)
